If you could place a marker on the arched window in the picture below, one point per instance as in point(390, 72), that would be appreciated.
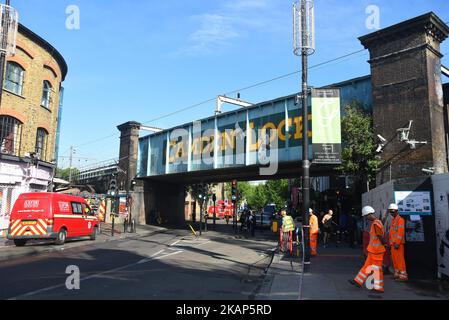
point(14, 78)
point(46, 94)
point(10, 135)
point(41, 144)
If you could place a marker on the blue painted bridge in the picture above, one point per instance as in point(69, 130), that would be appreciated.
point(239, 143)
point(260, 142)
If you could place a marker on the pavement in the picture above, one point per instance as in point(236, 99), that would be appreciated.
point(328, 280)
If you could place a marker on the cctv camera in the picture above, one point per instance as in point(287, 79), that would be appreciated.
point(382, 138)
point(379, 148)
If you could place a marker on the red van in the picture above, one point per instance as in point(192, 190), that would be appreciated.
point(37, 216)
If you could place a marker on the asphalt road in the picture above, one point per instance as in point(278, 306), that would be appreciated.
point(173, 265)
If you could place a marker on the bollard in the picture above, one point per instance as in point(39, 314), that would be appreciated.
point(125, 225)
point(113, 224)
point(133, 226)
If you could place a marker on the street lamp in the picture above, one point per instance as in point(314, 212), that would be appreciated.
point(9, 23)
point(304, 45)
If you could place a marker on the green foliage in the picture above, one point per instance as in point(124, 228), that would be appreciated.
point(359, 144)
point(257, 196)
point(65, 173)
point(277, 192)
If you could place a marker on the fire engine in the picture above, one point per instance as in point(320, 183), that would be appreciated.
point(223, 209)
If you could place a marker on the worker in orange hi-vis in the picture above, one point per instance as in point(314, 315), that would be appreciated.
point(376, 250)
point(397, 244)
point(314, 230)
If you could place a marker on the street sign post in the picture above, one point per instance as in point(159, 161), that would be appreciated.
point(214, 199)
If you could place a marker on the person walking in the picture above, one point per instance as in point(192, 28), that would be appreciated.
point(376, 250)
point(243, 220)
point(386, 219)
point(343, 230)
point(314, 230)
point(352, 228)
point(252, 223)
point(397, 244)
point(327, 227)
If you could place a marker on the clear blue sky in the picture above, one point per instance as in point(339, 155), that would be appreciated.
point(141, 59)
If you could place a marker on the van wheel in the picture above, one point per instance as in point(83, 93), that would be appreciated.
point(20, 242)
point(93, 236)
point(62, 237)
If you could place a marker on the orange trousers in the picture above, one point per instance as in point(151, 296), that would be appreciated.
point(313, 243)
point(397, 255)
point(373, 266)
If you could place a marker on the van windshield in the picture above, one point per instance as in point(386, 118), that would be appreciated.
point(269, 209)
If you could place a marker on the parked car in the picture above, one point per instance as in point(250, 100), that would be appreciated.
point(53, 216)
point(263, 220)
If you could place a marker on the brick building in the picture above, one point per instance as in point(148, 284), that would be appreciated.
point(406, 81)
point(29, 118)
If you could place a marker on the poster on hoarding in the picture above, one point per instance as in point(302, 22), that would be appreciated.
point(414, 230)
point(414, 202)
point(441, 201)
point(123, 210)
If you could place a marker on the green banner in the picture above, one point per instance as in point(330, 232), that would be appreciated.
point(326, 126)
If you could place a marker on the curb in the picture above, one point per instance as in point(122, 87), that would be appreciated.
point(35, 252)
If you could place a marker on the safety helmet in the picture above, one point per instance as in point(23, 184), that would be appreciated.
point(310, 210)
point(393, 206)
point(367, 211)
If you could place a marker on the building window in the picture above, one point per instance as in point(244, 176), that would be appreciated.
point(41, 144)
point(14, 78)
point(10, 135)
point(46, 94)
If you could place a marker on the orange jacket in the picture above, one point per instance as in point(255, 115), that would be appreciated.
point(375, 245)
point(313, 222)
point(397, 231)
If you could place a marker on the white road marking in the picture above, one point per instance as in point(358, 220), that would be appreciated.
point(194, 243)
point(175, 243)
point(152, 257)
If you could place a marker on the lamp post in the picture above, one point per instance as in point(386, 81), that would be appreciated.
point(304, 45)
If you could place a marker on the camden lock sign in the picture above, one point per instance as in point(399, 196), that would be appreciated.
point(265, 134)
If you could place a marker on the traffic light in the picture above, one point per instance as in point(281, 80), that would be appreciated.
point(234, 191)
point(112, 186)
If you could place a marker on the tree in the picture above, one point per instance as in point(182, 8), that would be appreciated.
point(65, 173)
point(277, 192)
point(244, 188)
point(257, 198)
point(359, 145)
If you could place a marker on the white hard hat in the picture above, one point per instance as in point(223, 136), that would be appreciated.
point(367, 210)
point(310, 210)
point(393, 206)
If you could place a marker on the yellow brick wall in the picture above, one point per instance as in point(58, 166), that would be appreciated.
point(27, 107)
